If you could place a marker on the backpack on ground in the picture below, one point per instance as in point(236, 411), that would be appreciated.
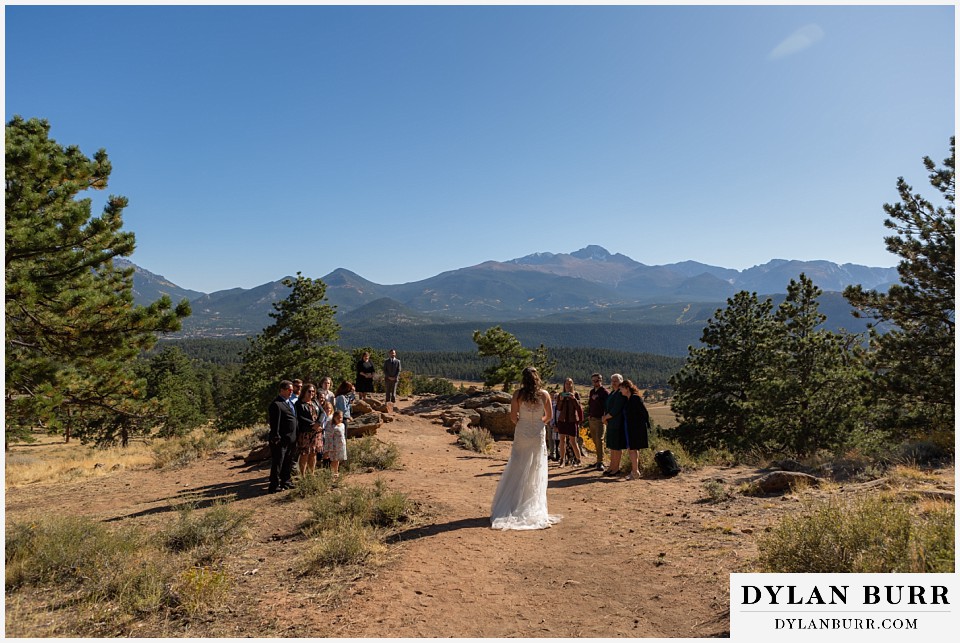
point(667, 463)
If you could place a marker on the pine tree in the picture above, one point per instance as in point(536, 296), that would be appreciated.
point(811, 400)
point(717, 392)
point(72, 329)
point(301, 343)
point(174, 383)
point(496, 342)
point(913, 361)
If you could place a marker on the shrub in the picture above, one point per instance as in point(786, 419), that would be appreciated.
point(369, 506)
point(920, 452)
point(197, 589)
point(389, 508)
point(249, 438)
point(716, 491)
point(178, 452)
point(475, 439)
point(141, 585)
point(369, 452)
point(934, 540)
point(63, 549)
point(108, 565)
point(868, 535)
point(313, 484)
point(423, 385)
point(348, 542)
point(208, 532)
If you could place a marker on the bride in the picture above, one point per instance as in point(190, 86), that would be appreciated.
point(521, 498)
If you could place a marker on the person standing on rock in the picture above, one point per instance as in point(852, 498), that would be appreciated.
point(282, 418)
point(616, 439)
point(596, 407)
point(365, 372)
point(391, 376)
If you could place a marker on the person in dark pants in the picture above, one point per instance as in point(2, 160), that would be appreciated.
point(391, 376)
point(283, 438)
point(596, 407)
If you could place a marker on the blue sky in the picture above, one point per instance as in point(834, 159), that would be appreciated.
point(400, 142)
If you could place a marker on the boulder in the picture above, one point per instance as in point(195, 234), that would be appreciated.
point(454, 415)
point(496, 419)
point(366, 424)
point(360, 407)
point(496, 397)
point(782, 481)
point(376, 405)
point(790, 465)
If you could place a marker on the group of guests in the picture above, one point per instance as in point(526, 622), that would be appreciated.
point(308, 422)
point(617, 417)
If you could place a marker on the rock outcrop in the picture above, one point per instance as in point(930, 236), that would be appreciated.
point(485, 409)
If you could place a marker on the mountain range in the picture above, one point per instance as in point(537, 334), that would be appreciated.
point(588, 286)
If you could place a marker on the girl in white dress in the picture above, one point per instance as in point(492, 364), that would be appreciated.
point(335, 443)
point(521, 498)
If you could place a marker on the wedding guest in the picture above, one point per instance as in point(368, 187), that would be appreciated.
point(569, 418)
point(616, 441)
point(282, 419)
point(365, 373)
point(391, 376)
point(325, 393)
point(636, 419)
point(297, 385)
point(309, 425)
point(596, 406)
point(344, 399)
point(335, 443)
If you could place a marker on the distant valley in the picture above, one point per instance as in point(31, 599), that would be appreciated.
point(586, 298)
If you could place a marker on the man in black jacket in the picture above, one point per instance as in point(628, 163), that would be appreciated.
point(283, 438)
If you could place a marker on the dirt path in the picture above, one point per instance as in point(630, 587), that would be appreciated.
point(648, 558)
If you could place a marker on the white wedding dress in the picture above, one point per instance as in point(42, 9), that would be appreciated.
point(521, 498)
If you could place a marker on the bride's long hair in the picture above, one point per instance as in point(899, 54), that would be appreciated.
point(529, 385)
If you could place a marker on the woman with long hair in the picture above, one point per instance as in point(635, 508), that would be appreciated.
point(343, 399)
point(569, 418)
point(309, 425)
point(324, 394)
point(635, 422)
point(520, 501)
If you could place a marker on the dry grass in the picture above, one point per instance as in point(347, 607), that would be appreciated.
point(907, 476)
point(50, 460)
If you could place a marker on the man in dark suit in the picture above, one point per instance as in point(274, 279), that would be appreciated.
point(283, 438)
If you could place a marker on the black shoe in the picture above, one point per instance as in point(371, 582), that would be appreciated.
point(599, 466)
point(272, 490)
